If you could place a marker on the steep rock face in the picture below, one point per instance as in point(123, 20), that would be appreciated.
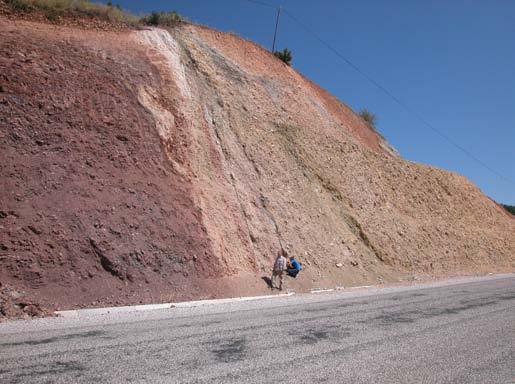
point(92, 210)
point(302, 169)
point(150, 166)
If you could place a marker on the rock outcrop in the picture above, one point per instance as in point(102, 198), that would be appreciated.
point(153, 165)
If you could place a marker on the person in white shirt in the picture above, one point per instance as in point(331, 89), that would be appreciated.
point(279, 268)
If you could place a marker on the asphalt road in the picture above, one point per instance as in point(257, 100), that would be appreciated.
point(452, 332)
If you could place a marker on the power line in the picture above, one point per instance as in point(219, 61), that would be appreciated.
point(276, 25)
point(394, 98)
point(386, 91)
point(261, 3)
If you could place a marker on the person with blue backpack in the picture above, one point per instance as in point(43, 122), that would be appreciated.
point(294, 267)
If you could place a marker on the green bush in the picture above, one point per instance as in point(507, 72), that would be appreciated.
point(110, 4)
point(369, 118)
point(284, 55)
point(509, 208)
point(166, 19)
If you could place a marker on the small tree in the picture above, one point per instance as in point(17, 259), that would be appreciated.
point(284, 55)
point(117, 6)
point(509, 208)
point(169, 19)
point(369, 118)
point(152, 19)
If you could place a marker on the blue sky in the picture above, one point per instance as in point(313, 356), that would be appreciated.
point(453, 62)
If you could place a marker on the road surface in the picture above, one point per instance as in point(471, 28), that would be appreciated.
point(448, 332)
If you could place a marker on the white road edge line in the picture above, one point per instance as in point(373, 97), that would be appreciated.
point(198, 303)
point(321, 290)
point(152, 307)
point(339, 288)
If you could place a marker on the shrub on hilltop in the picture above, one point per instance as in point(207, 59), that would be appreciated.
point(165, 19)
point(284, 55)
point(509, 208)
point(369, 118)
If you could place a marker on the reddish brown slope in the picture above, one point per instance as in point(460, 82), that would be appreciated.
point(91, 210)
point(149, 166)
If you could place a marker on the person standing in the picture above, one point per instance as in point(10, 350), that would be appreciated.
point(279, 268)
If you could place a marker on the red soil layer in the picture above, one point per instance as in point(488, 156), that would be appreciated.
point(90, 212)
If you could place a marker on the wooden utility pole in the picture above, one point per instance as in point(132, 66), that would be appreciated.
point(276, 24)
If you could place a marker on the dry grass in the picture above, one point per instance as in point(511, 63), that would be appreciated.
point(369, 118)
point(54, 9)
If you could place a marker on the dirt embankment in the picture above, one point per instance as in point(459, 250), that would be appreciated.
point(92, 212)
point(146, 166)
point(333, 190)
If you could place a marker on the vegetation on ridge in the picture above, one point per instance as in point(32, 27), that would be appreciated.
point(369, 118)
point(169, 19)
point(509, 208)
point(54, 9)
point(284, 55)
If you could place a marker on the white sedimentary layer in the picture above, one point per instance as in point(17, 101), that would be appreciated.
point(163, 42)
